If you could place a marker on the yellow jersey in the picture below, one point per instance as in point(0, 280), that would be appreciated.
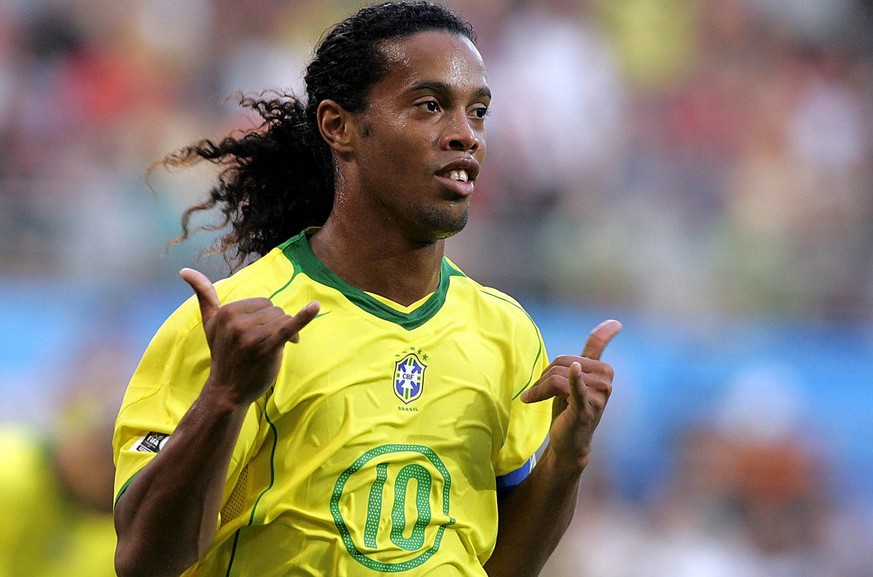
point(380, 445)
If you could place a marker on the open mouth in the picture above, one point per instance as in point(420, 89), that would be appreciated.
point(459, 175)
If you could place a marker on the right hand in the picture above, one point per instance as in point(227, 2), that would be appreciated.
point(580, 387)
point(246, 339)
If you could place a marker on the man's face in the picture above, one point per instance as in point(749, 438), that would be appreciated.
point(422, 134)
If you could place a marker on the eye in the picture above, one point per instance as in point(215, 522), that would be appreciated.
point(429, 105)
point(479, 112)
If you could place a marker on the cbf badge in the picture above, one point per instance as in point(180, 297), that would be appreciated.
point(409, 377)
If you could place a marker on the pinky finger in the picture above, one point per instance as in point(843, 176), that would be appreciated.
point(288, 328)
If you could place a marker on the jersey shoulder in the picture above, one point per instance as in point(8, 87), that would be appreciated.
point(487, 300)
point(265, 277)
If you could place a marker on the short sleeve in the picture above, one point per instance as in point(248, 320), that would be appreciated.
point(528, 423)
point(168, 379)
point(166, 383)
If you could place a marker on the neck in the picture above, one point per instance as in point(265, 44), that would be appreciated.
point(379, 262)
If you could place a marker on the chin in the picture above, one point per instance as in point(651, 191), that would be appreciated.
point(443, 226)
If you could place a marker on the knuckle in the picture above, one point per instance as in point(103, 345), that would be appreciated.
point(600, 385)
point(555, 372)
point(247, 341)
point(224, 313)
point(553, 380)
point(559, 383)
point(234, 325)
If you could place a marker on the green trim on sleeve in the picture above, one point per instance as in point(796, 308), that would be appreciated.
point(124, 488)
point(533, 376)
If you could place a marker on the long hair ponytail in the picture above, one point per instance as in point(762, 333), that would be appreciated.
point(278, 178)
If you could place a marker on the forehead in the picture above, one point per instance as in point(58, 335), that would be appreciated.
point(440, 56)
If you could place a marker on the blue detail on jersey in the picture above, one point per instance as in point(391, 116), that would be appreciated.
point(506, 483)
point(409, 378)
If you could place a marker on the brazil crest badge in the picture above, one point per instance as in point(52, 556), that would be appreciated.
point(409, 378)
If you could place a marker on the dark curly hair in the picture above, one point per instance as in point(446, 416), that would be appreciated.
point(278, 177)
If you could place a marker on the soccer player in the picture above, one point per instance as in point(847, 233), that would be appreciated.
point(350, 403)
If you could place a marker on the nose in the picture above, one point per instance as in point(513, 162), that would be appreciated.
point(461, 135)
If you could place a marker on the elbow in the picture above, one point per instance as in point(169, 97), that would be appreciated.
point(126, 565)
point(144, 552)
point(132, 561)
point(123, 568)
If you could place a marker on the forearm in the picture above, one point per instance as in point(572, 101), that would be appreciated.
point(534, 517)
point(168, 515)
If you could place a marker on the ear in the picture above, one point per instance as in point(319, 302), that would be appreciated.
point(336, 125)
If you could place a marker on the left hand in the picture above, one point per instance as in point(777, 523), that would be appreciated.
point(580, 387)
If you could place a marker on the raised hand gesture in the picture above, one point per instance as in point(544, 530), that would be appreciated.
point(580, 387)
point(246, 339)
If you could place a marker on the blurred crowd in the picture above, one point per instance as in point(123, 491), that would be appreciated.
point(702, 156)
point(748, 490)
point(695, 155)
point(705, 158)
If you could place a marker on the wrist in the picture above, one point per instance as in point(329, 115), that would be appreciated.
point(569, 468)
point(220, 397)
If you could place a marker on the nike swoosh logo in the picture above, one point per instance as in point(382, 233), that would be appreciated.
point(321, 314)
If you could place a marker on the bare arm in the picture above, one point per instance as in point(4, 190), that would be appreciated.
point(168, 515)
point(534, 517)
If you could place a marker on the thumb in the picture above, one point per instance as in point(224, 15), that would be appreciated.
point(206, 295)
point(599, 338)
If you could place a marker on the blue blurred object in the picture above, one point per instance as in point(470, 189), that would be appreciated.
point(811, 378)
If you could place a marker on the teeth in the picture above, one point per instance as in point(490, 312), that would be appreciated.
point(458, 175)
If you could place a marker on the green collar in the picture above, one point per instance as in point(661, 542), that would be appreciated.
point(298, 251)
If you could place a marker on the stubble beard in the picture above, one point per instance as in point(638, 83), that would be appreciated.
point(442, 224)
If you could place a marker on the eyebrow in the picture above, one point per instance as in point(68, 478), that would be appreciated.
point(443, 88)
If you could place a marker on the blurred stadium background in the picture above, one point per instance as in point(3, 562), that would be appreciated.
point(699, 169)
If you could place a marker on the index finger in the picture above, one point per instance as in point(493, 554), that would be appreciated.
point(206, 295)
point(599, 338)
